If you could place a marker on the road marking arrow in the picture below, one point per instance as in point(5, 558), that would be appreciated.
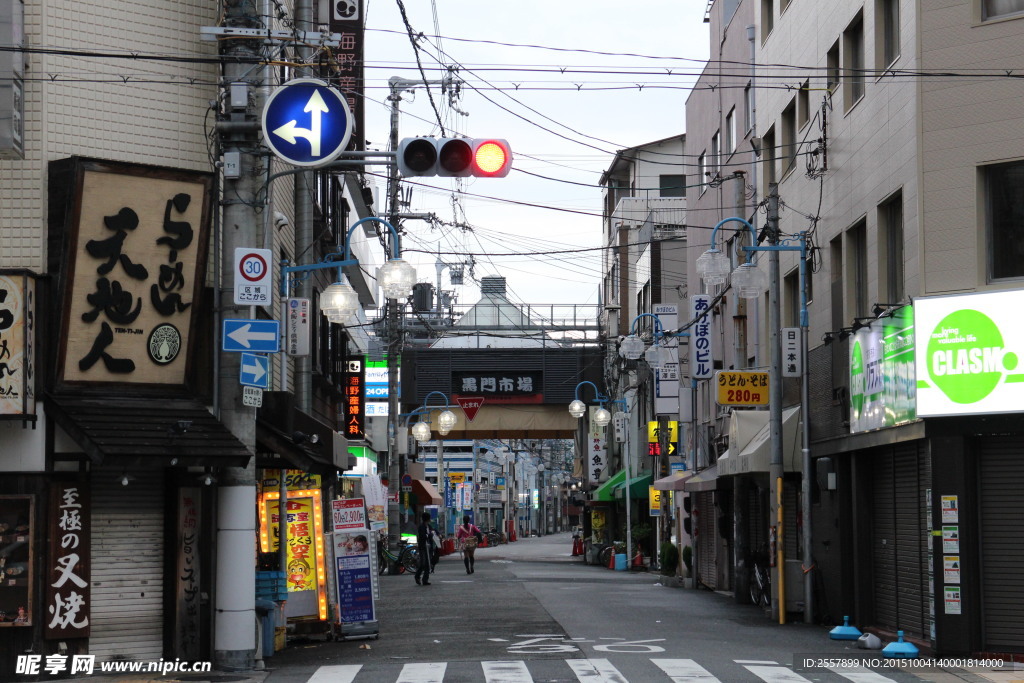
point(316, 107)
point(243, 335)
point(256, 371)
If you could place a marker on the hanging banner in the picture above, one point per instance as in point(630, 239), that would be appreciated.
point(17, 344)
point(375, 494)
point(701, 357)
point(68, 599)
point(597, 449)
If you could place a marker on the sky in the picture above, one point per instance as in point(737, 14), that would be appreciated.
point(572, 111)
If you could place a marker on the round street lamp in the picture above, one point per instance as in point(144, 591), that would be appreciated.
point(713, 267)
point(749, 281)
point(445, 422)
point(339, 303)
point(421, 431)
point(602, 417)
point(658, 356)
point(632, 347)
point(396, 278)
point(577, 408)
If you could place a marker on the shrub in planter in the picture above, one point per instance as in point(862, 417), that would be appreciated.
point(688, 559)
point(669, 558)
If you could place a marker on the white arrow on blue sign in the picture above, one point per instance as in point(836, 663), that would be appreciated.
point(255, 371)
point(306, 122)
point(260, 336)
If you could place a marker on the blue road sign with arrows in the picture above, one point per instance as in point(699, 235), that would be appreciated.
point(306, 122)
point(255, 371)
point(260, 336)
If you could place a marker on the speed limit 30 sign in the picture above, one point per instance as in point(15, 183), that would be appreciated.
point(253, 277)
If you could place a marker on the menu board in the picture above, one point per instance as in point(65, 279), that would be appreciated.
point(354, 577)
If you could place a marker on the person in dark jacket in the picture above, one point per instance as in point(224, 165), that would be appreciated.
point(424, 546)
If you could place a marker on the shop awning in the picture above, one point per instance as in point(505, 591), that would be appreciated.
point(637, 488)
point(143, 430)
point(705, 480)
point(425, 492)
point(673, 482)
point(747, 456)
point(606, 491)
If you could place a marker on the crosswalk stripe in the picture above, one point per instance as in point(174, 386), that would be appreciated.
point(684, 670)
point(344, 673)
point(595, 671)
point(506, 672)
point(422, 672)
point(776, 674)
point(860, 674)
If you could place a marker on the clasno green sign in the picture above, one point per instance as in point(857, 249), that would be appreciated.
point(968, 357)
point(882, 373)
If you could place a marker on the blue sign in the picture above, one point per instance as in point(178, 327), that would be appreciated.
point(355, 582)
point(255, 371)
point(306, 122)
point(260, 336)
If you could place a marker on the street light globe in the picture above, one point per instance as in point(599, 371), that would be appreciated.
point(713, 267)
point(632, 347)
point(421, 431)
point(658, 356)
point(577, 408)
point(396, 278)
point(445, 421)
point(749, 281)
point(602, 417)
point(339, 302)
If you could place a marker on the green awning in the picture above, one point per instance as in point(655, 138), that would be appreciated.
point(605, 491)
point(637, 488)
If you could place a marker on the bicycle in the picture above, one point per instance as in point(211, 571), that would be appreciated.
point(761, 581)
point(392, 563)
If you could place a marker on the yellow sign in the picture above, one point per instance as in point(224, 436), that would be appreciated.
point(306, 568)
point(297, 480)
point(654, 498)
point(737, 388)
point(652, 431)
point(457, 477)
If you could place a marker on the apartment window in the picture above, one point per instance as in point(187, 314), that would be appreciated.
point(832, 67)
point(891, 265)
point(729, 9)
point(730, 131)
point(1004, 189)
point(702, 170)
point(767, 18)
point(789, 146)
point(995, 9)
point(768, 157)
point(857, 252)
point(716, 152)
point(748, 107)
point(836, 266)
point(887, 32)
point(853, 62)
point(672, 185)
point(803, 102)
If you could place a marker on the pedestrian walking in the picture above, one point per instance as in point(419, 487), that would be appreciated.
point(424, 545)
point(468, 535)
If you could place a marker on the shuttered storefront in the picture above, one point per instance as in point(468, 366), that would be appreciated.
point(899, 539)
point(1001, 479)
point(706, 538)
point(127, 565)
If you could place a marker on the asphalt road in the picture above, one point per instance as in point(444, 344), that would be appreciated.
point(532, 612)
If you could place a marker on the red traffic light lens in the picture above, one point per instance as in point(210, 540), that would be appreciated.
point(491, 157)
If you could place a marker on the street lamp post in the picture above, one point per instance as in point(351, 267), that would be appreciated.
point(713, 268)
point(601, 418)
point(421, 432)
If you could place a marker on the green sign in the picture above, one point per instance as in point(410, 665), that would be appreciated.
point(882, 384)
point(969, 362)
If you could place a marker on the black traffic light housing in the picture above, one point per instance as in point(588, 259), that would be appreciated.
point(454, 157)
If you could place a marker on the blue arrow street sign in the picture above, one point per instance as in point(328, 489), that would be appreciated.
point(306, 122)
point(260, 336)
point(255, 371)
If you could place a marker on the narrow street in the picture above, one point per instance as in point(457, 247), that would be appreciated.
point(532, 612)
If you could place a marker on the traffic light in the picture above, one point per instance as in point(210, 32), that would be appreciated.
point(454, 157)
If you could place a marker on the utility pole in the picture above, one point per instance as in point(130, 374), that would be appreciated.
point(234, 635)
point(303, 206)
point(775, 469)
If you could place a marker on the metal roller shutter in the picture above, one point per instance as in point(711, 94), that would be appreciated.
point(883, 539)
point(127, 566)
point(1001, 479)
point(707, 539)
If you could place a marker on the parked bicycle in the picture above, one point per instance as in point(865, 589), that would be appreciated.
point(760, 580)
point(391, 562)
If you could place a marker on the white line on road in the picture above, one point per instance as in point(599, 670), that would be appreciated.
point(860, 674)
point(684, 670)
point(756, 661)
point(595, 671)
point(422, 672)
point(776, 674)
point(506, 672)
point(345, 673)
